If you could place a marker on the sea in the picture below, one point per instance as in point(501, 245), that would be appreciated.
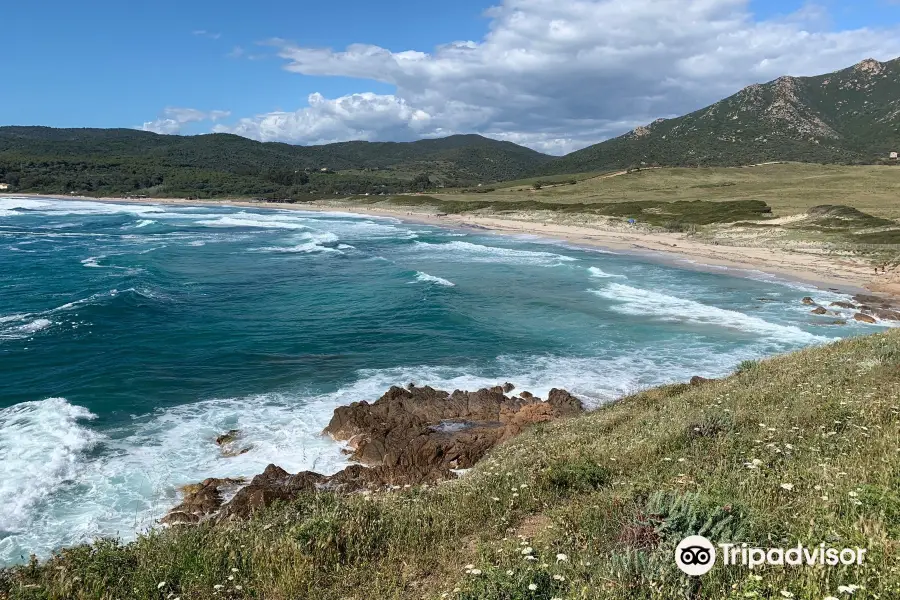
point(132, 335)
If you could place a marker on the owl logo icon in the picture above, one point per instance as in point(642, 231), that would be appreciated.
point(695, 555)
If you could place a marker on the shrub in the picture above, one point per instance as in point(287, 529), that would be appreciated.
point(579, 475)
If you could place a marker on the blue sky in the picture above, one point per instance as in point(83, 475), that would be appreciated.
point(122, 64)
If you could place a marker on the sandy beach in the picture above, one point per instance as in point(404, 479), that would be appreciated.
point(845, 273)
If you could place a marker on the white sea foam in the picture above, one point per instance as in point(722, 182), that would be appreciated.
point(91, 262)
point(43, 446)
point(600, 273)
point(76, 207)
point(64, 484)
point(636, 301)
point(426, 278)
point(35, 326)
point(306, 243)
point(469, 252)
point(26, 203)
point(244, 219)
point(144, 223)
point(22, 331)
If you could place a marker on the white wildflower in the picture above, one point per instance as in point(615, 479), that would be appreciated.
point(561, 558)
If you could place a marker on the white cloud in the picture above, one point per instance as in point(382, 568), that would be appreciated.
point(560, 74)
point(173, 119)
point(207, 34)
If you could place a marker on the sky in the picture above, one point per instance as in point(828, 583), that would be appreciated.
point(554, 75)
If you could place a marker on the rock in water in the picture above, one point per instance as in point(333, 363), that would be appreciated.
point(228, 444)
point(843, 304)
point(864, 318)
point(406, 437)
point(227, 438)
point(819, 311)
point(886, 315)
point(808, 301)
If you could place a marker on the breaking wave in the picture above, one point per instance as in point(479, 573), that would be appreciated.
point(426, 278)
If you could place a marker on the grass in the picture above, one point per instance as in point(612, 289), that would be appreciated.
point(802, 447)
point(697, 212)
point(789, 189)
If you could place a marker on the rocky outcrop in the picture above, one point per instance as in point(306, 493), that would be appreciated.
point(819, 311)
point(697, 380)
point(407, 437)
point(864, 318)
point(843, 304)
point(886, 314)
point(808, 301)
point(201, 500)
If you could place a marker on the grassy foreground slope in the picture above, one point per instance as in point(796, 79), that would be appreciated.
point(799, 448)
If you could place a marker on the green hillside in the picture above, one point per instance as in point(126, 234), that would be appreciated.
point(125, 161)
point(851, 116)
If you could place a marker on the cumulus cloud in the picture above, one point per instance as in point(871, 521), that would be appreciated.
point(561, 74)
point(173, 119)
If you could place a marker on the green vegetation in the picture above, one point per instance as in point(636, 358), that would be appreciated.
point(799, 448)
point(697, 212)
point(100, 162)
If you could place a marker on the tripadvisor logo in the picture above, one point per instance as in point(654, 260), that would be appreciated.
point(696, 555)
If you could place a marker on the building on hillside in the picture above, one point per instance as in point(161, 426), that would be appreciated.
point(893, 156)
point(4, 186)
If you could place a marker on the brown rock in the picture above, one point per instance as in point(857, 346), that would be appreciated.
point(269, 486)
point(886, 315)
point(228, 444)
point(819, 311)
point(508, 387)
point(406, 437)
point(843, 304)
point(864, 318)
point(697, 380)
point(808, 301)
point(200, 500)
point(227, 438)
point(869, 299)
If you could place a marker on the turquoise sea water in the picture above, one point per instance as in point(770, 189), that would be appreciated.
point(130, 336)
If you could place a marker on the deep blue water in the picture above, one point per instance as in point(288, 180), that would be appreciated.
point(130, 336)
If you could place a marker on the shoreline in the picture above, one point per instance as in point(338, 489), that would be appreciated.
point(843, 274)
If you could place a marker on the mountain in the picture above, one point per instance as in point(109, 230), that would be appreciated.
point(119, 161)
point(850, 116)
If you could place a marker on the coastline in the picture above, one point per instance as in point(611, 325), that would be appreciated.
point(843, 274)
